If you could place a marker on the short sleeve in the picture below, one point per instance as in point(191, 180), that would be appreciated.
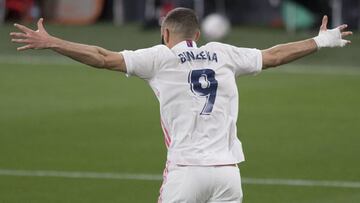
point(141, 62)
point(245, 61)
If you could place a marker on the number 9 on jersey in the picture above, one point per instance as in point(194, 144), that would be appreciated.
point(203, 84)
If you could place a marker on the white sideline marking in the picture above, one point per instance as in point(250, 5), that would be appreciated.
point(82, 174)
point(301, 182)
point(153, 177)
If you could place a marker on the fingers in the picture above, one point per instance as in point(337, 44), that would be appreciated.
point(18, 34)
point(23, 48)
point(23, 41)
point(19, 37)
point(345, 42)
point(20, 40)
point(344, 33)
point(342, 27)
point(324, 23)
point(30, 38)
point(40, 24)
point(23, 28)
point(347, 33)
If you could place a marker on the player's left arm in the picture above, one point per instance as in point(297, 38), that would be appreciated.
point(94, 56)
point(285, 53)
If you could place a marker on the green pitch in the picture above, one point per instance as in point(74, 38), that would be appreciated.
point(297, 122)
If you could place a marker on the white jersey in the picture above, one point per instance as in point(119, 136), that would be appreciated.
point(198, 97)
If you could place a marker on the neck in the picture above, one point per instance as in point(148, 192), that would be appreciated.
point(174, 42)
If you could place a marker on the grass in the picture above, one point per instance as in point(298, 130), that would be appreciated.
point(297, 122)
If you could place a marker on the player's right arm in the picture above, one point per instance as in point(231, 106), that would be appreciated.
point(285, 53)
point(91, 55)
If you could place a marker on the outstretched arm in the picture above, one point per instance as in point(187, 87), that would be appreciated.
point(91, 55)
point(285, 53)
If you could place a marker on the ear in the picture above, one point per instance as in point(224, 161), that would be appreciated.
point(197, 36)
point(166, 36)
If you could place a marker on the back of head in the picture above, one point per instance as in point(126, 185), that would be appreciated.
point(182, 22)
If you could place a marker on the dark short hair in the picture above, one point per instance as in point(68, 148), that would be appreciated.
point(182, 21)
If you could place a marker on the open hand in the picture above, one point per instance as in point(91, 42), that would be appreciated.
point(332, 37)
point(31, 39)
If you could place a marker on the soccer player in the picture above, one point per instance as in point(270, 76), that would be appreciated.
point(196, 88)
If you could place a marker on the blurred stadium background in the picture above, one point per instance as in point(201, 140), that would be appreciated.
point(69, 133)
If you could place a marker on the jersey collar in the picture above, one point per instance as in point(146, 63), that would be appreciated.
point(185, 44)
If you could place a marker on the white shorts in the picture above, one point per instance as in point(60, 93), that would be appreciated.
point(201, 184)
